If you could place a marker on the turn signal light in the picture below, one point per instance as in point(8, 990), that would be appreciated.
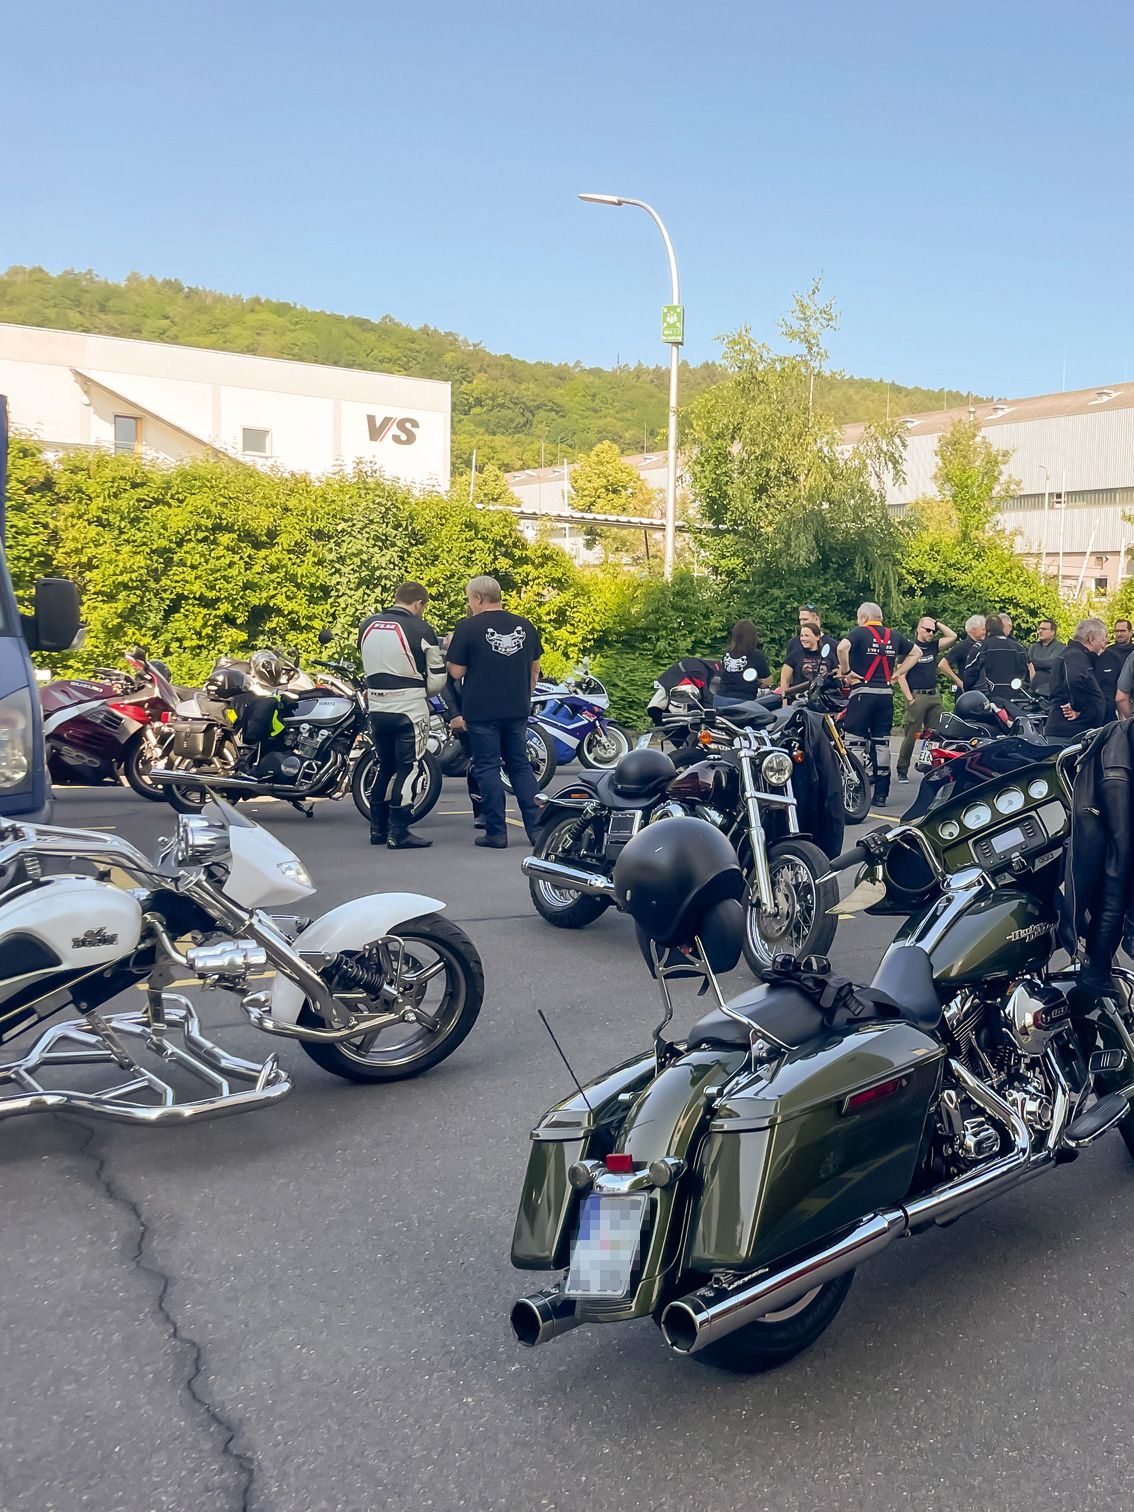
point(620, 1164)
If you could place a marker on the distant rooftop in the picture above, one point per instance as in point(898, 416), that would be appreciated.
point(1011, 411)
point(641, 461)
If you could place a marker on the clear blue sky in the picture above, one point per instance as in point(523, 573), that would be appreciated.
point(960, 174)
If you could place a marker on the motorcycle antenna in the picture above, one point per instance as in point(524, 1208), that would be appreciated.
point(563, 1058)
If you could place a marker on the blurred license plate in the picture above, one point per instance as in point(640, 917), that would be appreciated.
point(605, 1251)
point(923, 758)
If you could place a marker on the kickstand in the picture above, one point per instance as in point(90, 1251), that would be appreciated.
point(306, 809)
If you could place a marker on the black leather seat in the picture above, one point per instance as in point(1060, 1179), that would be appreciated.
point(604, 787)
point(902, 988)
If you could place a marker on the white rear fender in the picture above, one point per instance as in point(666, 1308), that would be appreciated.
point(351, 926)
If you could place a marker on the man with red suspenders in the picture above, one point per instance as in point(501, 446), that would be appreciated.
point(867, 657)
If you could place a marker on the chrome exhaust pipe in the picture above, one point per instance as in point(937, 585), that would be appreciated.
point(690, 1323)
point(594, 884)
point(542, 1316)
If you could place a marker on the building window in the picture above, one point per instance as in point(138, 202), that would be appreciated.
point(256, 443)
point(127, 433)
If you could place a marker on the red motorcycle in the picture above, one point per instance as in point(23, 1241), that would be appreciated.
point(100, 728)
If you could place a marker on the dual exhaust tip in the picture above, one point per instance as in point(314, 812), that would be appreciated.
point(544, 1316)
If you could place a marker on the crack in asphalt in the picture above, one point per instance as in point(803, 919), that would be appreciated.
point(141, 1261)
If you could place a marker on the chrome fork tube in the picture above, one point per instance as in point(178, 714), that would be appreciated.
point(762, 877)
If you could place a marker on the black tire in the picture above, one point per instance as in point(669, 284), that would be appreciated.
point(541, 754)
point(802, 925)
point(857, 789)
point(136, 769)
point(421, 1048)
point(780, 1337)
point(602, 750)
point(558, 905)
point(427, 783)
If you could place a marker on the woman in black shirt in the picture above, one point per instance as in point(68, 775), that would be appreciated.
point(744, 667)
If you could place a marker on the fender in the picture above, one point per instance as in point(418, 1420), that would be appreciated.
point(351, 926)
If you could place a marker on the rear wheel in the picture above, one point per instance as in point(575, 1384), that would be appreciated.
point(541, 756)
point(798, 923)
point(426, 786)
point(779, 1336)
point(856, 787)
point(443, 983)
point(603, 747)
point(560, 905)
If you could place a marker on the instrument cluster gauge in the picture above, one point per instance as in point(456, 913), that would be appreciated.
point(1038, 788)
point(977, 816)
point(1010, 801)
point(949, 830)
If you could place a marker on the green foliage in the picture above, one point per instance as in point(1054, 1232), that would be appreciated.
point(515, 413)
point(970, 478)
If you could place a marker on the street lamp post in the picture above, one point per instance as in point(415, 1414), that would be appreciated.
point(673, 331)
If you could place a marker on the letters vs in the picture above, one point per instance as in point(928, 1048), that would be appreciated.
point(404, 429)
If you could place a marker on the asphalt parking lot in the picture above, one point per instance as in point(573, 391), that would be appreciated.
point(306, 1308)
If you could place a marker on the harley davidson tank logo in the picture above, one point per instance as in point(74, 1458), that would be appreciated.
point(1030, 932)
point(93, 939)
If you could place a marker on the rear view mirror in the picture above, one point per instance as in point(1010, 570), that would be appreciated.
point(326, 637)
point(54, 623)
point(1016, 684)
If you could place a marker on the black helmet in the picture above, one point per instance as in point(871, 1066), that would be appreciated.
point(672, 878)
point(972, 702)
point(225, 682)
point(640, 774)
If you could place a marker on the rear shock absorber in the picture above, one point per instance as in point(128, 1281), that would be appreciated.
point(361, 974)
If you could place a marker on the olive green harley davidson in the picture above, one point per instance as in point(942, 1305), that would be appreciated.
point(727, 1186)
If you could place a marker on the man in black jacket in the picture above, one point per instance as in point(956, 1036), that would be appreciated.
point(1111, 662)
point(1077, 701)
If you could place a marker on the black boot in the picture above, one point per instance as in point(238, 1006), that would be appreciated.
point(401, 836)
point(882, 788)
point(379, 823)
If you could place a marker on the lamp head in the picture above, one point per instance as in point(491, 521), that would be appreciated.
point(602, 199)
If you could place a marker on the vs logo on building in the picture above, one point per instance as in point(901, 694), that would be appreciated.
point(403, 429)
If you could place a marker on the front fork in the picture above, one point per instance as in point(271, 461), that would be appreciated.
point(761, 884)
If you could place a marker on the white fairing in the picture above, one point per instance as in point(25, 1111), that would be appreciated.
point(351, 926)
point(83, 923)
point(263, 872)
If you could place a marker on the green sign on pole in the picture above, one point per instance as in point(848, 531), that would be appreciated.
point(673, 323)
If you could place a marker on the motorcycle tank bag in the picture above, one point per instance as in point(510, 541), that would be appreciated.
point(811, 1142)
point(641, 774)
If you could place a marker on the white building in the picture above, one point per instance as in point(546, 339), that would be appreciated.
point(1073, 455)
point(547, 491)
point(72, 390)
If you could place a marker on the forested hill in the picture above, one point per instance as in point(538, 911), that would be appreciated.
point(505, 407)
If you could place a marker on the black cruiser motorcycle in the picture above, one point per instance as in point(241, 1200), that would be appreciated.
point(727, 1185)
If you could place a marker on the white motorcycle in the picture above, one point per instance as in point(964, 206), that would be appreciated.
point(378, 989)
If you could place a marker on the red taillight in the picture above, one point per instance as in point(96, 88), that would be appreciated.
point(874, 1094)
point(166, 715)
point(619, 1164)
point(131, 711)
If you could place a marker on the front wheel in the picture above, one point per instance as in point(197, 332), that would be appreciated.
point(857, 790)
point(799, 922)
point(136, 766)
point(604, 746)
point(442, 985)
point(541, 757)
point(779, 1336)
point(425, 788)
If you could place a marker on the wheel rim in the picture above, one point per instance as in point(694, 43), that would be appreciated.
point(433, 979)
point(419, 787)
point(606, 747)
point(555, 897)
point(537, 760)
point(853, 787)
point(787, 928)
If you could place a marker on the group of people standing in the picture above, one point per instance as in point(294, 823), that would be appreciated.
point(487, 673)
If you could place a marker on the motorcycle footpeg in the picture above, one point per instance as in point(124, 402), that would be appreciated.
point(1096, 1121)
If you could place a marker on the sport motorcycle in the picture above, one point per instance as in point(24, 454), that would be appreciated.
point(742, 784)
point(378, 989)
point(728, 1184)
point(575, 716)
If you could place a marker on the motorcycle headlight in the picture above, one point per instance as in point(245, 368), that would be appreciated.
point(15, 739)
point(296, 872)
point(198, 839)
point(776, 768)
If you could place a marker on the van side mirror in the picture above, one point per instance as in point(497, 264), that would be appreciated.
point(54, 622)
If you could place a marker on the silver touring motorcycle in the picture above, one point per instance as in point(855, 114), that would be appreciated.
point(378, 989)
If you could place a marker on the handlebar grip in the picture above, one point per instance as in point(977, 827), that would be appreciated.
point(853, 857)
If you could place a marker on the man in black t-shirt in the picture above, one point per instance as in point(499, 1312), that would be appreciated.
point(497, 656)
point(916, 676)
point(1110, 662)
point(867, 657)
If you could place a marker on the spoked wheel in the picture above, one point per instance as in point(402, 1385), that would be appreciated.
point(562, 906)
point(442, 985)
point(856, 787)
point(191, 798)
point(541, 756)
point(778, 1337)
point(136, 766)
point(604, 746)
point(425, 787)
point(799, 923)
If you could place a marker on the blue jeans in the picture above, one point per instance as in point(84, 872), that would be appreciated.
point(492, 742)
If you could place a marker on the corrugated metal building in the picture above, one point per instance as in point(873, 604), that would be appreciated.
point(1073, 455)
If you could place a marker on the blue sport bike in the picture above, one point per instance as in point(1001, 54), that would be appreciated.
point(574, 716)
